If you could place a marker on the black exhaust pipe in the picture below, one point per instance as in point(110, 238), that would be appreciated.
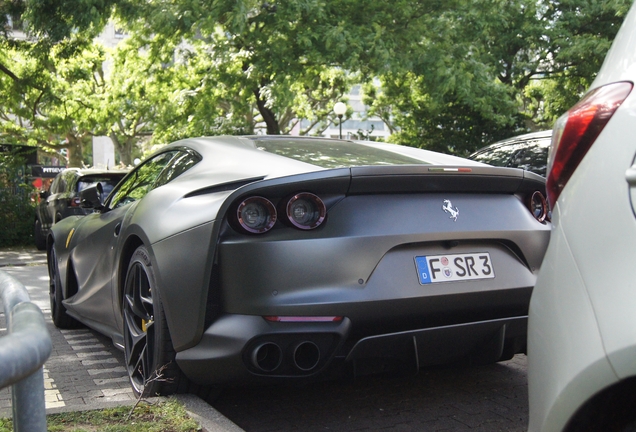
point(267, 357)
point(306, 356)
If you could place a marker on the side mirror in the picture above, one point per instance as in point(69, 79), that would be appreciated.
point(44, 194)
point(91, 197)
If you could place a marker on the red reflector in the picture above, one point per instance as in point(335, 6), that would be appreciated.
point(303, 318)
point(576, 131)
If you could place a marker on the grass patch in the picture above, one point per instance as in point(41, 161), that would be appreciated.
point(168, 416)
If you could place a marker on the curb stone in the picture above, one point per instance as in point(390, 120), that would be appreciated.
point(210, 419)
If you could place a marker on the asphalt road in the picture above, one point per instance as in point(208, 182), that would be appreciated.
point(85, 368)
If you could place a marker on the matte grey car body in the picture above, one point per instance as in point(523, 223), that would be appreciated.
point(227, 305)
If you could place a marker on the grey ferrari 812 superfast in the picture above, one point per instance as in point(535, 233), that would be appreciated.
point(261, 259)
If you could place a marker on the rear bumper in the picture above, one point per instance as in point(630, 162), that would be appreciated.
point(245, 348)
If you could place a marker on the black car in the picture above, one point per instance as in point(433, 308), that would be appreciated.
point(529, 152)
point(222, 260)
point(62, 198)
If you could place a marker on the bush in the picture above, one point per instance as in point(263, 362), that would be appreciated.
point(17, 209)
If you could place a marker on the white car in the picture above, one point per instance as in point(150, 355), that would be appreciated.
point(582, 320)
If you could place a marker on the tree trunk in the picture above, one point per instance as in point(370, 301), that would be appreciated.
point(124, 149)
point(74, 151)
point(268, 115)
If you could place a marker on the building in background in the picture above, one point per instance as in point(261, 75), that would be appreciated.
point(360, 126)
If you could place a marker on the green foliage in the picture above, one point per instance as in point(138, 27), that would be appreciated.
point(488, 69)
point(52, 21)
point(17, 211)
point(454, 75)
point(275, 58)
point(455, 122)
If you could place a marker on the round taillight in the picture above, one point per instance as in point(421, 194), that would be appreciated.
point(256, 215)
point(306, 211)
point(538, 206)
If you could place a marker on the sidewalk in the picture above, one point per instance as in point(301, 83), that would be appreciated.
point(21, 256)
point(208, 418)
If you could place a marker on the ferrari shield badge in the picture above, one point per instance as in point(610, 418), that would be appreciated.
point(452, 211)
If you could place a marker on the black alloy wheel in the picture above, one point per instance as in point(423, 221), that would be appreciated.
point(148, 350)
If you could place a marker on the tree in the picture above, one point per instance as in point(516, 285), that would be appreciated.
point(57, 31)
point(52, 21)
point(272, 54)
point(493, 68)
point(455, 75)
point(131, 97)
point(53, 109)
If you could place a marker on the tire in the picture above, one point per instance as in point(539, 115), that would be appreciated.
point(39, 239)
point(58, 311)
point(148, 350)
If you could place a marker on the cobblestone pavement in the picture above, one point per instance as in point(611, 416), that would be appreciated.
point(84, 369)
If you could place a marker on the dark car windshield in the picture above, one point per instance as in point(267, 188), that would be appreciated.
point(108, 182)
point(333, 154)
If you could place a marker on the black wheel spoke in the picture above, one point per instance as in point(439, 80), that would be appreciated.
point(139, 304)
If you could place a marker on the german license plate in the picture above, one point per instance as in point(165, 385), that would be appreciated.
point(456, 267)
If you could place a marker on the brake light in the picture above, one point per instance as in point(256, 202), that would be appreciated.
point(576, 130)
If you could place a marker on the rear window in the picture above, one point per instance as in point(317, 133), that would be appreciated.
point(333, 154)
point(108, 182)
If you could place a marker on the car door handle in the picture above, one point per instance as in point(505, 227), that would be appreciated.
point(117, 229)
point(630, 175)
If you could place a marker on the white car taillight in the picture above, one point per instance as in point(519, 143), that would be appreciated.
point(576, 130)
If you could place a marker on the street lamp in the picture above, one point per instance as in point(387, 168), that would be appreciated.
point(340, 109)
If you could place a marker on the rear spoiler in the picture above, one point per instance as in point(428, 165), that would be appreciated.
point(435, 178)
point(391, 179)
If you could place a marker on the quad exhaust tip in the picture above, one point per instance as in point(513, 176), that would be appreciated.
point(306, 356)
point(267, 357)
